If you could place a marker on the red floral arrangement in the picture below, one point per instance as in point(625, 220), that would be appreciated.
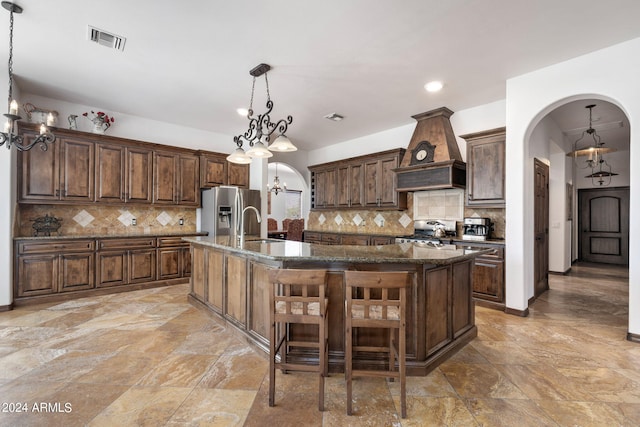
point(100, 119)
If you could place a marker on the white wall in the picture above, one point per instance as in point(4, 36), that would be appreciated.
point(139, 128)
point(7, 209)
point(609, 74)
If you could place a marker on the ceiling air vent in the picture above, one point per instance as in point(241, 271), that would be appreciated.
point(105, 38)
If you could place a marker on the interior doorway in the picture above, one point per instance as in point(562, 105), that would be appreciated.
point(541, 228)
point(603, 225)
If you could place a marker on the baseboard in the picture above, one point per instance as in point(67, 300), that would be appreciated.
point(633, 337)
point(520, 313)
point(6, 307)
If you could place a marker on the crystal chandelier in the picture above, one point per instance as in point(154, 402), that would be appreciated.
point(261, 128)
point(276, 184)
point(600, 170)
point(9, 136)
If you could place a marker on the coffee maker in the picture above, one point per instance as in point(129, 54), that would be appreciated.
point(477, 229)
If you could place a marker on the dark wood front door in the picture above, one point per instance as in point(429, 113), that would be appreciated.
point(604, 225)
point(541, 228)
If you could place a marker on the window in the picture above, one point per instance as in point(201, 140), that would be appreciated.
point(293, 203)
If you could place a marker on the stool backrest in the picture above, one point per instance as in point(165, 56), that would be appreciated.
point(377, 299)
point(298, 294)
point(272, 224)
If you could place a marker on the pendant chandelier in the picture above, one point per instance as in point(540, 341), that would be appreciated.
point(276, 184)
point(593, 147)
point(261, 128)
point(10, 136)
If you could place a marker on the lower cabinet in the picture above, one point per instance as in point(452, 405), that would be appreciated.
point(126, 261)
point(347, 239)
point(174, 258)
point(47, 267)
point(54, 266)
point(488, 277)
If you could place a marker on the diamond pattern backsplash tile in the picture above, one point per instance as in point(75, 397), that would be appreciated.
point(379, 220)
point(103, 220)
point(164, 218)
point(83, 218)
point(405, 220)
point(338, 219)
point(322, 219)
point(357, 220)
point(125, 218)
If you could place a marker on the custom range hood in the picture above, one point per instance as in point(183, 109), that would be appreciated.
point(432, 160)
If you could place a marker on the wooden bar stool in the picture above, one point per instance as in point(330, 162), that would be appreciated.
point(377, 300)
point(297, 296)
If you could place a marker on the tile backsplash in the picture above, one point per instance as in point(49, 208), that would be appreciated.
point(102, 220)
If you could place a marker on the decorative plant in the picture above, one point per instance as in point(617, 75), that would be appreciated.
point(100, 119)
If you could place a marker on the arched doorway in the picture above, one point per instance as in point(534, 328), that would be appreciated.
point(577, 229)
point(290, 201)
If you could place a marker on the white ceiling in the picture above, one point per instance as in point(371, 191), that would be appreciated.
point(188, 62)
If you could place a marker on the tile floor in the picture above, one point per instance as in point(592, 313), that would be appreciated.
point(148, 358)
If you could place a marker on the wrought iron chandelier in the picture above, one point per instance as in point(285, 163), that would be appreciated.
point(261, 128)
point(10, 136)
point(600, 170)
point(276, 184)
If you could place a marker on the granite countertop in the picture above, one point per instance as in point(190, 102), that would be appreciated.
point(111, 236)
point(288, 250)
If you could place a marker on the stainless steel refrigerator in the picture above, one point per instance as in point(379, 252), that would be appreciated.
point(221, 207)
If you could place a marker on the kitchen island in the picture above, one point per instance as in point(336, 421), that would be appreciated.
point(231, 281)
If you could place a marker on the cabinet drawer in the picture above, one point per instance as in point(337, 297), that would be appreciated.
point(165, 242)
point(331, 239)
point(38, 247)
point(349, 239)
point(133, 243)
point(312, 237)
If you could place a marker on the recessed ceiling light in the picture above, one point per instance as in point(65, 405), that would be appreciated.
point(334, 116)
point(433, 86)
point(242, 111)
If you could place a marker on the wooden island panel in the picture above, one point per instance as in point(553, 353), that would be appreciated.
point(236, 289)
point(440, 311)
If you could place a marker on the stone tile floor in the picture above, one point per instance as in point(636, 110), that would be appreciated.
point(148, 358)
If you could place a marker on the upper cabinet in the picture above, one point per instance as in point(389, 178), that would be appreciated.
point(81, 167)
point(366, 181)
point(123, 174)
point(486, 168)
point(215, 170)
point(238, 175)
point(176, 179)
point(62, 173)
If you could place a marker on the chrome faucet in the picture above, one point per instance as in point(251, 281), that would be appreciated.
point(241, 222)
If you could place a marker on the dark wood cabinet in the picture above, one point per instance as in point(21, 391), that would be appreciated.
point(486, 168)
point(365, 181)
point(83, 168)
point(213, 170)
point(380, 183)
point(174, 258)
point(238, 175)
point(488, 275)
point(62, 173)
point(176, 179)
point(59, 268)
point(453, 301)
point(126, 261)
point(326, 238)
point(324, 192)
point(53, 266)
point(139, 176)
point(350, 184)
point(123, 174)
